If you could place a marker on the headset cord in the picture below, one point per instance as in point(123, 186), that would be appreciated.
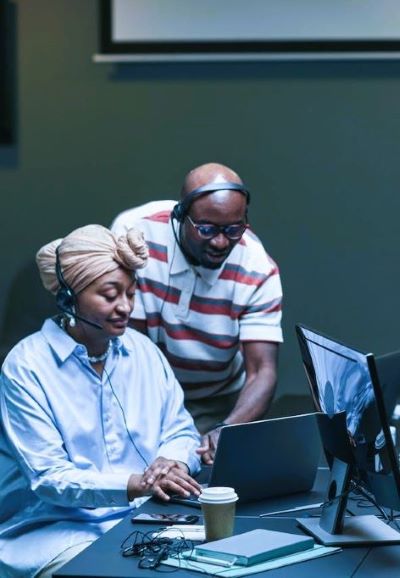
point(125, 422)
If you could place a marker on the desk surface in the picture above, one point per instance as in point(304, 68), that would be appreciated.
point(103, 559)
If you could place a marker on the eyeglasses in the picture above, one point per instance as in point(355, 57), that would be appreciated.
point(209, 231)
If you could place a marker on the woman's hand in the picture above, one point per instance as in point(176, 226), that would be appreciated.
point(162, 478)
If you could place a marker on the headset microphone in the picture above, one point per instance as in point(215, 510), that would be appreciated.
point(73, 314)
point(92, 323)
point(66, 298)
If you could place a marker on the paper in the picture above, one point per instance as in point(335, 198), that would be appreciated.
point(186, 532)
point(234, 571)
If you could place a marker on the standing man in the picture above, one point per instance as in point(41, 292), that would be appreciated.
point(210, 298)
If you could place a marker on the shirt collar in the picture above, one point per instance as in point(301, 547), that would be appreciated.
point(179, 263)
point(64, 345)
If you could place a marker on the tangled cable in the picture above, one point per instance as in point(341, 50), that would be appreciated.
point(152, 547)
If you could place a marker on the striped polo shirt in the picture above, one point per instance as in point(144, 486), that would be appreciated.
point(199, 316)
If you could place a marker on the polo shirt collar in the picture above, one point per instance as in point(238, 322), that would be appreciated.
point(179, 264)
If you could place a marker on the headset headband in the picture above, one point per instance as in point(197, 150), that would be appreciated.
point(59, 274)
point(65, 297)
point(181, 209)
point(213, 188)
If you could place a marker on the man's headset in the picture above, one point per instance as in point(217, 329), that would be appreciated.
point(66, 298)
point(181, 209)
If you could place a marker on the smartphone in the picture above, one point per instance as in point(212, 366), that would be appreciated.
point(165, 519)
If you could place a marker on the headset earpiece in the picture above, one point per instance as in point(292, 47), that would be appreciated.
point(65, 301)
point(178, 212)
point(65, 297)
point(181, 209)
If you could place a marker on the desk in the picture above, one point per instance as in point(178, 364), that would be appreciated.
point(103, 559)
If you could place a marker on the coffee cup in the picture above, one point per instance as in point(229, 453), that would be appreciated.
point(218, 505)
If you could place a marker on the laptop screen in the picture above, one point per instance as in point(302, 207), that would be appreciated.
point(268, 458)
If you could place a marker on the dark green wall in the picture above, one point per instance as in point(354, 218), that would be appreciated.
point(316, 142)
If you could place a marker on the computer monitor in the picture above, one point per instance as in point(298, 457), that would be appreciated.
point(355, 434)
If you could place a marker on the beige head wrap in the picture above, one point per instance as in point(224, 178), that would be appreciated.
point(89, 252)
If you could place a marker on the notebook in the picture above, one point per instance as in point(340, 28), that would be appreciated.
point(185, 562)
point(253, 547)
point(280, 457)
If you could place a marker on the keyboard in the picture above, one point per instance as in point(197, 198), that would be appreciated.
point(191, 500)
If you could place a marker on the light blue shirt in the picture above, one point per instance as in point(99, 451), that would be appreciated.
point(70, 439)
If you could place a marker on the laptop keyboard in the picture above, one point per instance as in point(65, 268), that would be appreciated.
point(191, 500)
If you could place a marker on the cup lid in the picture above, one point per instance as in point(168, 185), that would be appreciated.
point(218, 495)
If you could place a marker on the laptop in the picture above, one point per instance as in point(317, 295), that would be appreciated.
point(265, 459)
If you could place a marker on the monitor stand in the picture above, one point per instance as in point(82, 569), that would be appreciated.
point(332, 528)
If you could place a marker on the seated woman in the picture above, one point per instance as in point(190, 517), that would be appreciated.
point(92, 416)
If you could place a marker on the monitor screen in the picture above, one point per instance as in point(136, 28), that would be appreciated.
point(354, 426)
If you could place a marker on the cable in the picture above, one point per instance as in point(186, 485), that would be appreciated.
point(360, 563)
point(162, 344)
point(358, 488)
point(330, 501)
point(174, 232)
point(124, 418)
point(178, 242)
point(152, 548)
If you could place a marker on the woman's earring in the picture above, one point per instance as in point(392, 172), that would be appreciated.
point(71, 320)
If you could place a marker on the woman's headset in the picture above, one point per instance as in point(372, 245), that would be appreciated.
point(66, 301)
point(66, 297)
point(181, 209)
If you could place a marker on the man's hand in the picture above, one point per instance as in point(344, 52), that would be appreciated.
point(208, 446)
point(254, 399)
point(161, 478)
